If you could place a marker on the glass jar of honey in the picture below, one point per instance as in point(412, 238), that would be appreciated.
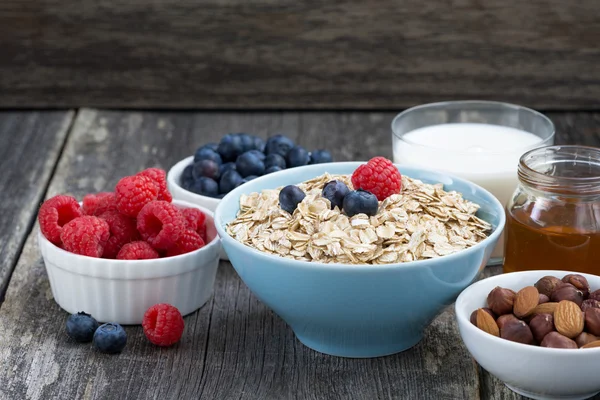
point(553, 218)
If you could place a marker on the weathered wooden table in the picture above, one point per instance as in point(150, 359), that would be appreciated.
point(234, 347)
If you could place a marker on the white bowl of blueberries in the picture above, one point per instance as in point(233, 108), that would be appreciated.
point(217, 168)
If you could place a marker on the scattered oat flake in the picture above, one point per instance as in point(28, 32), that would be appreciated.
point(422, 222)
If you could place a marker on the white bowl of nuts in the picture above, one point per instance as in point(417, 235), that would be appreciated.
point(537, 331)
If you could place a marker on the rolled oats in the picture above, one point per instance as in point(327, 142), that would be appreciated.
point(424, 221)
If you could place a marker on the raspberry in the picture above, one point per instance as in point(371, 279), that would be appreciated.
point(202, 232)
point(85, 235)
point(188, 241)
point(194, 218)
point(98, 203)
point(160, 223)
point(139, 250)
point(55, 213)
point(159, 177)
point(122, 230)
point(379, 176)
point(163, 324)
point(133, 193)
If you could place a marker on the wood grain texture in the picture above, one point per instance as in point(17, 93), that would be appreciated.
point(234, 347)
point(286, 54)
point(30, 144)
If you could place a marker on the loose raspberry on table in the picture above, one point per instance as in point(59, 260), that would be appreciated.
point(98, 203)
point(55, 213)
point(194, 218)
point(133, 193)
point(188, 241)
point(163, 324)
point(123, 230)
point(160, 223)
point(86, 235)
point(159, 176)
point(138, 250)
point(378, 176)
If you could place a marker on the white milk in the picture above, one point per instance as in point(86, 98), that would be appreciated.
point(487, 155)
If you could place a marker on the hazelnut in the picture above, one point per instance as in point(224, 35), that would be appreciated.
point(585, 338)
point(516, 330)
point(592, 321)
point(558, 341)
point(503, 319)
point(473, 318)
point(547, 284)
point(543, 298)
point(595, 295)
point(580, 282)
point(590, 303)
point(566, 291)
point(541, 325)
point(500, 300)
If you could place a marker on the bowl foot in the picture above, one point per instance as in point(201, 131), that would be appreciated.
point(538, 396)
point(358, 351)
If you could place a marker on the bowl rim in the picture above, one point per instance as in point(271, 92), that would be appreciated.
point(237, 192)
point(43, 241)
point(174, 174)
point(464, 320)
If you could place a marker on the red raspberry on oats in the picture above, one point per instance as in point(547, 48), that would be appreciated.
point(133, 193)
point(378, 176)
point(138, 250)
point(85, 235)
point(160, 223)
point(159, 177)
point(123, 230)
point(163, 324)
point(188, 241)
point(55, 213)
point(98, 203)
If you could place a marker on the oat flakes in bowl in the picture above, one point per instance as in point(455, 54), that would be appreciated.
point(358, 310)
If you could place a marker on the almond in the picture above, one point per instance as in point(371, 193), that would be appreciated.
point(525, 301)
point(486, 323)
point(592, 344)
point(568, 319)
point(545, 308)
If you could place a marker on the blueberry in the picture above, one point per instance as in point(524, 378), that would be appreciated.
point(229, 181)
point(297, 157)
point(81, 327)
point(289, 197)
point(360, 201)
point(274, 168)
point(247, 142)
point(259, 144)
point(204, 186)
point(320, 157)
point(110, 338)
point(207, 168)
point(230, 147)
point(278, 144)
point(220, 196)
point(186, 176)
point(261, 156)
point(249, 178)
point(249, 164)
point(335, 191)
point(274, 160)
point(212, 146)
point(226, 167)
point(205, 153)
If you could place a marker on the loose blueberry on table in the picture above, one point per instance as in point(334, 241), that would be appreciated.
point(81, 327)
point(218, 168)
point(110, 338)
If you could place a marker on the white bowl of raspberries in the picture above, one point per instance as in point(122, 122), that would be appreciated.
point(115, 254)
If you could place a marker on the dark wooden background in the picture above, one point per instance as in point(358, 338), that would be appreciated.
point(241, 54)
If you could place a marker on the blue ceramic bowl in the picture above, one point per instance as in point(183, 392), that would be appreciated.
point(358, 310)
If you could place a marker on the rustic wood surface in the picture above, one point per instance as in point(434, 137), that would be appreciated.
point(289, 54)
point(30, 144)
point(233, 347)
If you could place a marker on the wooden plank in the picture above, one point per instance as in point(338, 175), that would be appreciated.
point(30, 144)
point(285, 54)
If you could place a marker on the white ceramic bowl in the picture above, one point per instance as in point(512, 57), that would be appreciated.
point(179, 193)
point(532, 371)
point(122, 290)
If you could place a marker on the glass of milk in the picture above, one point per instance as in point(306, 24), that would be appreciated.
point(480, 141)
